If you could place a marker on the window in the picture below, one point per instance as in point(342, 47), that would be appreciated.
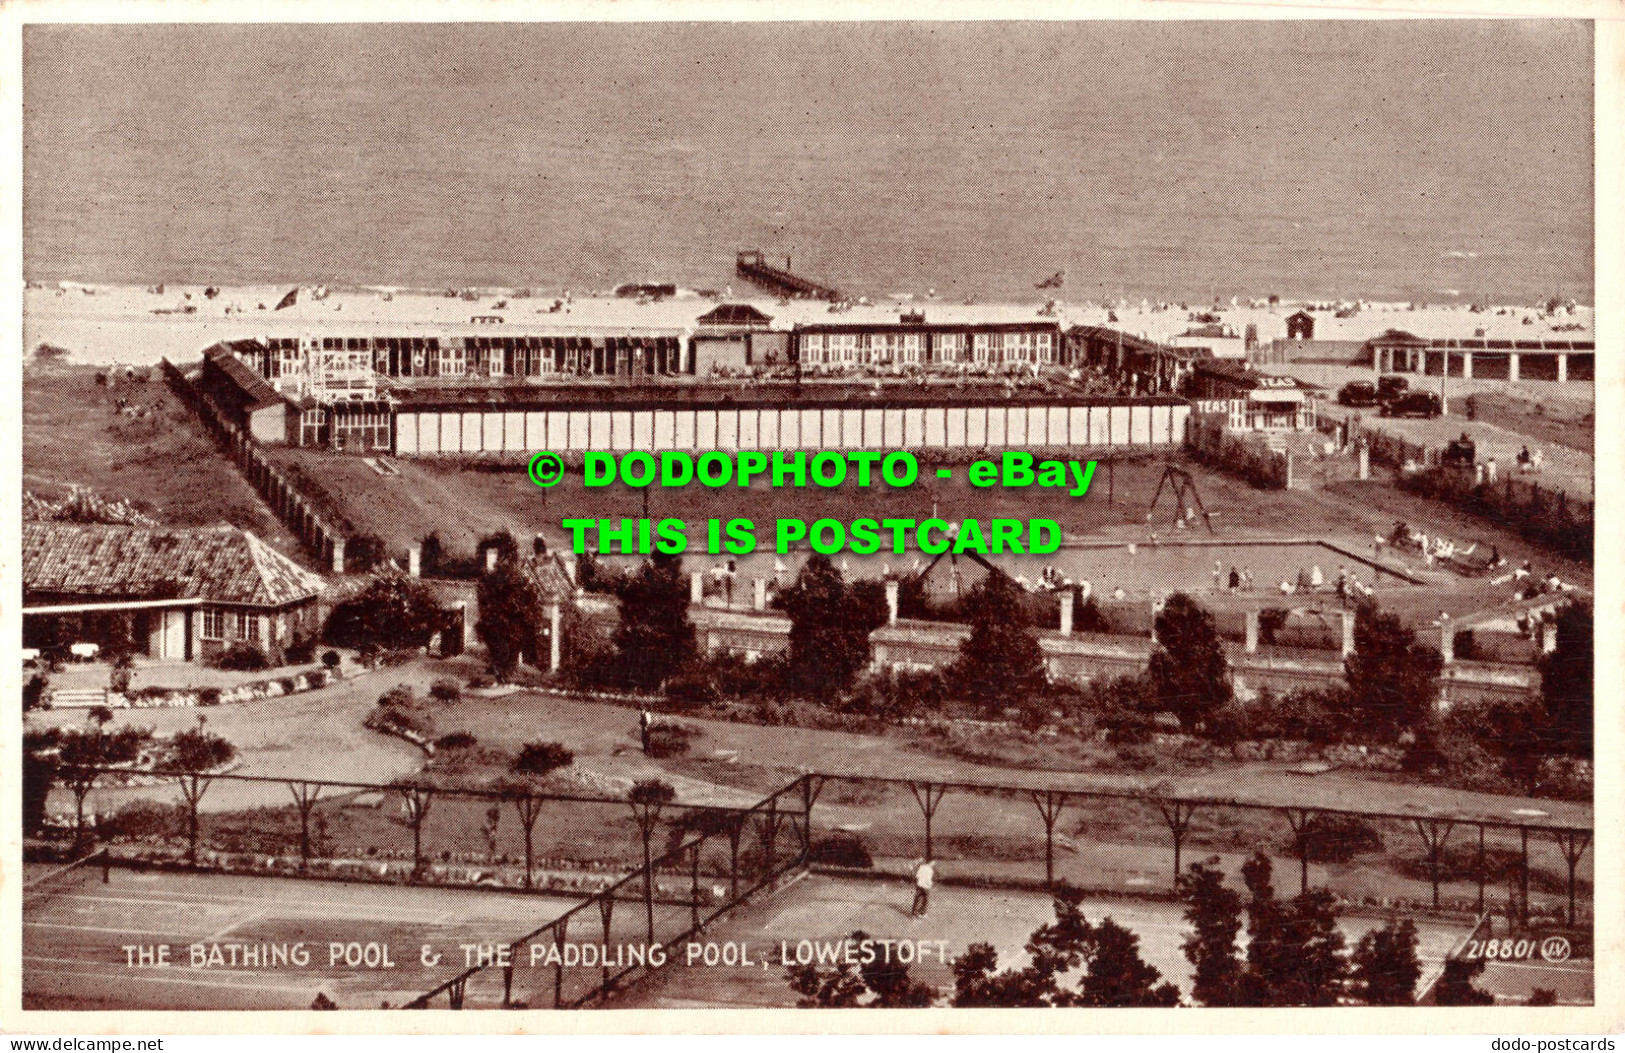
point(214, 624)
point(246, 625)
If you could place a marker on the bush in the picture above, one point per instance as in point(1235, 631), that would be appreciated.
point(539, 758)
point(456, 740)
point(445, 689)
point(301, 652)
point(842, 850)
point(400, 695)
point(208, 696)
point(669, 740)
point(1336, 838)
point(330, 659)
point(691, 690)
point(139, 820)
point(481, 681)
point(34, 692)
point(242, 657)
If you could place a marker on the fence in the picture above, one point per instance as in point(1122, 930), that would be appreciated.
point(1244, 454)
point(643, 898)
point(659, 928)
point(1538, 513)
point(291, 505)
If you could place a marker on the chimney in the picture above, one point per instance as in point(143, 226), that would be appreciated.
point(414, 560)
point(338, 555)
point(491, 558)
point(696, 587)
point(1068, 598)
point(891, 602)
point(760, 598)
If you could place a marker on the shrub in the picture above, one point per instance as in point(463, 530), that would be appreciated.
point(445, 689)
point(456, 740)
point(242, 657)
point(842, 850)
point(481, 681)
point(330, 659)
point(692, 690)
point(139, 820)
point(34, 691)
point(301, 651)
point(668, 740)
point(208, 696)
point(1336, 838)
point(400, 695)
point(539, 758)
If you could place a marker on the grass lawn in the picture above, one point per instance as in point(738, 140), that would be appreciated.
point(165, 462)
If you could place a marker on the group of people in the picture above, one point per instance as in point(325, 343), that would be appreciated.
point(1347, 586)
point(1430, 548)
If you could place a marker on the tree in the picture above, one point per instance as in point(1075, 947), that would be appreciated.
point(830, 624)
point(535, 762)
point(393, 612)
point(192, 754)
point(1566, 684)
point(417, 797)
point(39, 775)
point(1214, 913)
point(1455, 986)
point(655, 637)
point(1000, 661)
point(510, 613)
point(1392, 682)
point(1516, 731)
point(81, 752)
point(1114, 975)
point(1385, 966)
point(1294, 948)
point(1188, 669)
point(648, 797)
point(877, 981)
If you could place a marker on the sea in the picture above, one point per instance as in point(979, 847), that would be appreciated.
point(1437, 161)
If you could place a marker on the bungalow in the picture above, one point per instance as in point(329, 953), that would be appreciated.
point(170, 593)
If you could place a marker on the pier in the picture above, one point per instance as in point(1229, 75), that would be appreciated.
point(752, 264)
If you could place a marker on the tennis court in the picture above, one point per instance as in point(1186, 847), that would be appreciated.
point(79, 935)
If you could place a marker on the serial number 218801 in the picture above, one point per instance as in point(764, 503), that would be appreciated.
point(1514, 950)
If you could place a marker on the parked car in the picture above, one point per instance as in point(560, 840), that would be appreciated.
point(1357, 393)
point(1391, 387)
point(1413, 404)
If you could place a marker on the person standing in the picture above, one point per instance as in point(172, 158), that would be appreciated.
point(924, 876)
point(644, 723)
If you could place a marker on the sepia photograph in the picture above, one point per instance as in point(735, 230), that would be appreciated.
point(783, 515)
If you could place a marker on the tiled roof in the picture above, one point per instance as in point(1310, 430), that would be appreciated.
point(223, 564)
point(550, 576)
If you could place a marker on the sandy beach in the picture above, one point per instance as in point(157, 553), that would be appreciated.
point(136, 325)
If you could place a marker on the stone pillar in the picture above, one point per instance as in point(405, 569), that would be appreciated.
point(696, 586)
point(338, 555)
point(468, 625)
point(1348, 633)
point(759, 597)
point(1447, 642)
point(1068, 598)
point(1365, 462)
point(414, 560)
point(1252, 632)
point(554, 642)
point(1466, 365)
point(891, 603)
point(1512, 367)
point(1562, 369)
